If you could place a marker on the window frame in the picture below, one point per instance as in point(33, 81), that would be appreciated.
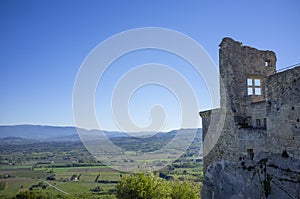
point(254, 86)
point(267, 63)
point(258, 123)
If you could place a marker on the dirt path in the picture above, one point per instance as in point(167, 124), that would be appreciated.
point(58, 189)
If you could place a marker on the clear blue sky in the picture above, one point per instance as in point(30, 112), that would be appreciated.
point(43, 44)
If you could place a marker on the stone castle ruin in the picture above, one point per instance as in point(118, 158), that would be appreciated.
point(258, 152)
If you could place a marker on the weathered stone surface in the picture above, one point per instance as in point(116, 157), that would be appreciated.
point(267, 176)
point(258, 152)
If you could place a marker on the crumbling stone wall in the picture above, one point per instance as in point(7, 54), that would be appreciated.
point(283, 101)
point(237, 63)
point(257, 153)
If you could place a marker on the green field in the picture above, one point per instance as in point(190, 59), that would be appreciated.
point(22, 178)
point(67, 168)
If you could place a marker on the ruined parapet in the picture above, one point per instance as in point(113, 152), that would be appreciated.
point(243, 70)
point(257, 154)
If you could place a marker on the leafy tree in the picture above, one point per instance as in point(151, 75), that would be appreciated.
point(33, 195)
point(184, 190)
point(97, 189)
point(141, 186)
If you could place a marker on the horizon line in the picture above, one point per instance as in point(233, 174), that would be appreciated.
point(70, 126)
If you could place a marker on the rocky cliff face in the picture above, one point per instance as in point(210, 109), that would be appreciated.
point(269, 176)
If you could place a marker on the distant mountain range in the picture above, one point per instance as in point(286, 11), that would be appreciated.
point(36, 132)
point(57, 133)
point(49, 133)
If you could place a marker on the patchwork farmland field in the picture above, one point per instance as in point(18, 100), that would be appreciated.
point(67, 169)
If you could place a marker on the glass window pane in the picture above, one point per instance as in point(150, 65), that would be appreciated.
point(257, 91)
point(249, 82)
point(250, 91)
point(266, 63)
point(257, 82)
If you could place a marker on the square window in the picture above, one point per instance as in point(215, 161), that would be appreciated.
point(253, 86)
point(250, 91)
point(257, 91)
point(249, 82)
point(257, 82)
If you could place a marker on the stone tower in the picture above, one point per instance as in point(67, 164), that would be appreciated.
point(258, 152)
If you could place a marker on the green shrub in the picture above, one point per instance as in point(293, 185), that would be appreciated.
point(184, 190)
point(140, 186)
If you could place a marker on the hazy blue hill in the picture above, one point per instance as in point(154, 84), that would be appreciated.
point(57, 133)
point(36, 132)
